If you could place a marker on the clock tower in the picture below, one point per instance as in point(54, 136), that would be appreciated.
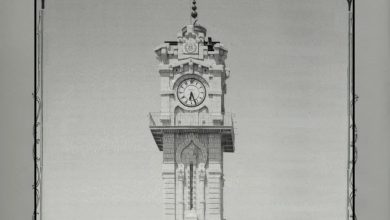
point(192, 128)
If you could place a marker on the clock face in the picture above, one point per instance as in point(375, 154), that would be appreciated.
point(191, 92)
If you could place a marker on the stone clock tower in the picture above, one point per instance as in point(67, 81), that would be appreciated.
point(192, 128)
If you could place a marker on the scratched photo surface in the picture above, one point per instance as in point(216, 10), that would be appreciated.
point(287, 90)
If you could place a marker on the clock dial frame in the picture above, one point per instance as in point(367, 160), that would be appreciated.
point(191, 92)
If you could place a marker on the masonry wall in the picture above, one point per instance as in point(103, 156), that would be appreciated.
point(209, 187)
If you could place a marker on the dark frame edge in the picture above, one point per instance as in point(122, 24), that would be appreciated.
point(38, 110)
point(354, 136)
point(36, 191)
point(35, 113)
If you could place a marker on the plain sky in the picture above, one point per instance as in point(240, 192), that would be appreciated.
point(288, 88)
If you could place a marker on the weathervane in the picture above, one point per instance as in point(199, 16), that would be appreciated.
point(194, 14)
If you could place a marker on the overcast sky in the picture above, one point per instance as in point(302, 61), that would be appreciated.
point(288, 88)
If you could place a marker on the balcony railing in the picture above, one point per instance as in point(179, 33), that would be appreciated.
point(158, 119)
point(214, 122)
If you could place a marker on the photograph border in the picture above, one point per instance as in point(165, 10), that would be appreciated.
point(39, 8)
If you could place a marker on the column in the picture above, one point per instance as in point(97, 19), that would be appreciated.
point(201, 191)
point(180, 192)
point(214, 197)
point(214, 192)
point(186, 189)
point(168, 176)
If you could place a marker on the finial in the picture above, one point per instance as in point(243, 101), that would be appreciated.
point(194, 14)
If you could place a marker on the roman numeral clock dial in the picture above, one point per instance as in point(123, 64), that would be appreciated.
point(191, 92)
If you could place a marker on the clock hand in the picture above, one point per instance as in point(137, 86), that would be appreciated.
point(192, 95)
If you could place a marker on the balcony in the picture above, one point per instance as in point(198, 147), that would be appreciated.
point(193, 122)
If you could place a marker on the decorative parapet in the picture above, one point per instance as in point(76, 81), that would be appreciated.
point(192, 44)
point(158, 119)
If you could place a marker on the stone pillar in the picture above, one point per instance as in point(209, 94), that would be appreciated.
point(180, 192)
point(186, 189)
point(214, 193)
point(201, 192)
point(214, 172)
point(168, 176)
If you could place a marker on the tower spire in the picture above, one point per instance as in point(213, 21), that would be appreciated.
point(194, 13)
